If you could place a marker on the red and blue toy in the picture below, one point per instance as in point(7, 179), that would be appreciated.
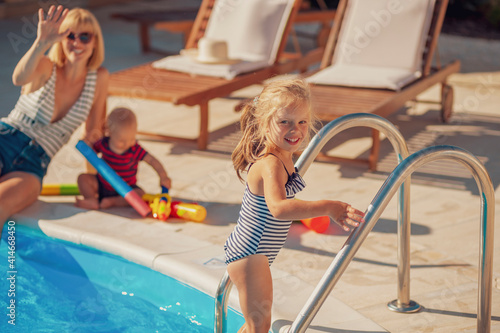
point(113, 179)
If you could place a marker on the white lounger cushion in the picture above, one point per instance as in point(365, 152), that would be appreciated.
point(380, 44)
point(182, 63)
point(365, 76)
point(253, 30)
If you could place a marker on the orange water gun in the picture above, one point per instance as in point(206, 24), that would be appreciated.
point(162, 207)
point(188, 211)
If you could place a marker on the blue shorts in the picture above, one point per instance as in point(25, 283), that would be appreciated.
point(18, 152)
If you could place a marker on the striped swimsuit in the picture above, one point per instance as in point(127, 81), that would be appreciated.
point(257, 231)
point(33, 113)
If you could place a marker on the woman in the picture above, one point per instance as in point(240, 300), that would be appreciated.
point(60, 91)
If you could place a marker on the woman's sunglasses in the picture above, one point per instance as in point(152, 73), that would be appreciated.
point(85, 37)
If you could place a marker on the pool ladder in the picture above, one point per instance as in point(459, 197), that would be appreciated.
point(398, 180)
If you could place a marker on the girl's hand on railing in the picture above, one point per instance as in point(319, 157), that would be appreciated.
point(345, 215)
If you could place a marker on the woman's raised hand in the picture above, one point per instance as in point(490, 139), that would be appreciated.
point(48, 26)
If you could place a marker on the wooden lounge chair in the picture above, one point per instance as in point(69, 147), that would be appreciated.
point(377, 58)
point(181, 20)
point(149, 82)
point(173, 20)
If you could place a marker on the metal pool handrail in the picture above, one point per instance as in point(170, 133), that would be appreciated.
point(403, 302)
point(386, 192)
point(319, 140)
point(221, 298)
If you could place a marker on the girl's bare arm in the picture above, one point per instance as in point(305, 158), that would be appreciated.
point(274, 179)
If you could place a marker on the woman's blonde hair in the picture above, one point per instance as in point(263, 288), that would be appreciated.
point(81, 19)
point(257, 116)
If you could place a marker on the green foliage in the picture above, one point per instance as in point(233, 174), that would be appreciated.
point(481, 9)
point(493, 13)
point(465, 7)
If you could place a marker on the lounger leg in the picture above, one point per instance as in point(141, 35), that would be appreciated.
point(446, 102)
point(323, 33)
point(373, 159)
point(144, 32)
point(203, 138)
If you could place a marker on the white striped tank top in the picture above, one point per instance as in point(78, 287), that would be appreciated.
point(257, 230)
point(33, 112)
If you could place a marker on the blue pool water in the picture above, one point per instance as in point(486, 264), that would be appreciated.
point(58, 286)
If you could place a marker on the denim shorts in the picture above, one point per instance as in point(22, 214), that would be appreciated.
point(18, 152)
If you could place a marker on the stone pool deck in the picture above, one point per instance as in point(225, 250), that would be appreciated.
point(444, 198)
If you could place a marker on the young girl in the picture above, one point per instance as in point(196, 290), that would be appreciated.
point(274, 126)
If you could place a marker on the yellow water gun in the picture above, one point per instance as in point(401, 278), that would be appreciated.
point(160, 204)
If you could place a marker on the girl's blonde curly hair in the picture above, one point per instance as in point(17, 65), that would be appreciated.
point(257, 116)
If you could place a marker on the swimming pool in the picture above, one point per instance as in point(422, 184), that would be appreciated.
point(51, 285)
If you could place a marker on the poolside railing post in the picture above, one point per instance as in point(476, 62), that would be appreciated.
point(221, 298)
point(486, 243)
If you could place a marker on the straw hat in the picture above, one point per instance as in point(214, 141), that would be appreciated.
point(210, 51)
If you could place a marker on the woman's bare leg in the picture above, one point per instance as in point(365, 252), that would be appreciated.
point(18, 190)
point(252, 277)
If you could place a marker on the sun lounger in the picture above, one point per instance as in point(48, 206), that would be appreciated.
point(379, 56)
point(181, 20)
point(255, 31)
point(174, 20)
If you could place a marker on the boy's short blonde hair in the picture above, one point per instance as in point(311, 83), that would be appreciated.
point(82, 19)
point(119, 118)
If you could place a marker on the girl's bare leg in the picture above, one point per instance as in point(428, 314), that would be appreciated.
point(252, 277)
